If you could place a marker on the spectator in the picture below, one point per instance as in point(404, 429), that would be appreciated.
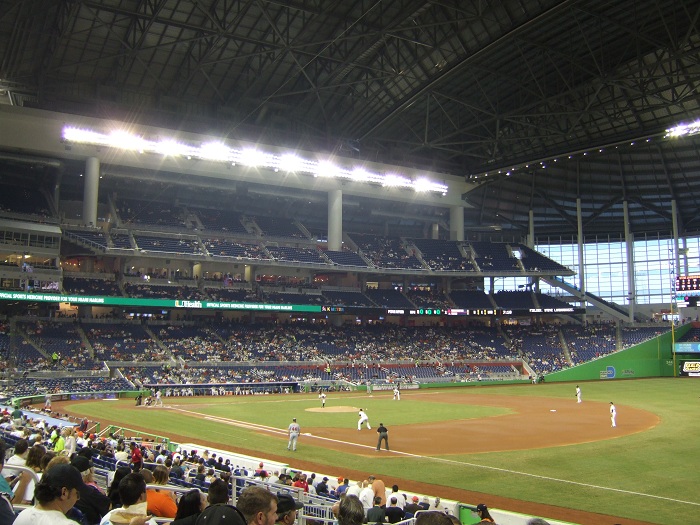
point(189, 508)
point(132, 492)
point(413, 507)
point(7, 513)
point(93, 503)
point(287, 508)
point(351, 511)
point(432, 518)
point(113, 492)
point(376, 513)
point(24, 490)
point(258, 505)
point(55, 494)
point(483, 512)
point(160, 503)
point(218, 492)
point(394, 513)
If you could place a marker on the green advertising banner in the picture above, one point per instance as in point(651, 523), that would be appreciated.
point(154, 303)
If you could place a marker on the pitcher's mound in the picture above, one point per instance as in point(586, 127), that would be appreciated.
point(333, 409)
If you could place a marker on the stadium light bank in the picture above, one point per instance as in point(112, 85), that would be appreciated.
point(215, 151)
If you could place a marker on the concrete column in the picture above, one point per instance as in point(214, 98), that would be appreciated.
point(531, 230)
point(457, 223)
point(581, 267)
point(629, 246)
point(674, 226)
point(90, 189)
point(335, 220)
point(435, 231)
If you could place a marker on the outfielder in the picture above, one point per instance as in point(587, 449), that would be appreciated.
point(613, 415)
point(294, 430)
point(363, 419)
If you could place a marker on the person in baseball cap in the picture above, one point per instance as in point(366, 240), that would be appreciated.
point(483, 512)
point(287, 508)
point(58, 490)
point(221, 514)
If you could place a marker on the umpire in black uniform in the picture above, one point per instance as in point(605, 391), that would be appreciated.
point(383, 435)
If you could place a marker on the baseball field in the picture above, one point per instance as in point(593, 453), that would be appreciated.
point(526, 448)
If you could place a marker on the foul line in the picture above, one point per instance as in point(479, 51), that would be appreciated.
point(274, 430)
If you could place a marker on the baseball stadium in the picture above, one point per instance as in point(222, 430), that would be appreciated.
point(438, 252)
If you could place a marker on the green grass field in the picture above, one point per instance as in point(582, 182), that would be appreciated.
point(652, 476)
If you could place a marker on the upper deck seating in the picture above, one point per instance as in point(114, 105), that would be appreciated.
point(274, 227)
point(302, 255)
point(386, 252)
point(149, 212)
point(494, 257)
point(535, 261)
point(184, 245)
point(441, 255)
point(389, 298)
point(85, 286)
point(471, 299)
point(346, 298)
point(345, 258)
point(228, 248)
point(96, 238)
point(220, 220)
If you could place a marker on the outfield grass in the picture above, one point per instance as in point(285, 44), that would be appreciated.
point(652, 476)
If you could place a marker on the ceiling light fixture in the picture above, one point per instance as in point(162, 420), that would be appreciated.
point(219, 152)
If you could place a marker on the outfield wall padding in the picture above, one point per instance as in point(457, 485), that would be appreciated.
point(653, 358)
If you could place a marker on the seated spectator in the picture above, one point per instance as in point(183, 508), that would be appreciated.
point(376, 514)
point(393, 512)
point(7, 513)
point(56, 493)
point(134, 510)
point(413, 507)
point(432, 518)
point(113, 492)
point(258, 506)
point(351, 511)
point(189, 508)
point(93, 503)
point(287, 508)
point(218, 492)
point(160, 503)
point(24, 490)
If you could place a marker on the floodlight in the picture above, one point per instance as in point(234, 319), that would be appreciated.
point(215, 151)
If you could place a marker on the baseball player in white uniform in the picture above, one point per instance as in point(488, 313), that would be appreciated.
point(322, 397)
point(294, 430)
point(613, 415)
point(363, 419)
point(578, 394)
point(397, 393)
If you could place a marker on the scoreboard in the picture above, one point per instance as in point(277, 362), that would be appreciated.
point(687, 290)
point(688, 284)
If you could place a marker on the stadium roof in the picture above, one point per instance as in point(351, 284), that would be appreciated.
point(535, 103)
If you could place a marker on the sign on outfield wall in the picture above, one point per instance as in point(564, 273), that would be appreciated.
point(690, 368)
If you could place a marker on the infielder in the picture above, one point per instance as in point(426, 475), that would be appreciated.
point(578, 394)
point(294, 430)
point(397, 393)
point(613, 415)
point(363, 419)
point(322, 397)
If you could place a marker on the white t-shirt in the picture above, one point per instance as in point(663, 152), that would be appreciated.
point(34, 516)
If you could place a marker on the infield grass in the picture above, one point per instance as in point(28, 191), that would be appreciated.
point(651, 476)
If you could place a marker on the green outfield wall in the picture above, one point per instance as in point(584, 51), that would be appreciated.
point(653, 358)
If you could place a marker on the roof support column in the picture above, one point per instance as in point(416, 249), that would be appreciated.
point(531, 229)
point(335, 220)
point(676, 252)
point(457, 223)
point(90, 188)
point(629, 246)
point(581, 266)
